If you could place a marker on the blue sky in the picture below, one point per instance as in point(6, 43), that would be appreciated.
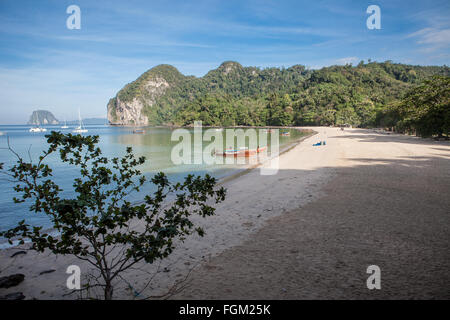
point(44, 65)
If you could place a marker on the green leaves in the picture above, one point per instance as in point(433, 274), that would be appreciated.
point(234, 95)
point(426, 108)
point(99, 217)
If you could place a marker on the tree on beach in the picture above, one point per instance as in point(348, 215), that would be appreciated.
point(426, 108)
point(98, 224)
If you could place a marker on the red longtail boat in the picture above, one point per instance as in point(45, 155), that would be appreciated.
point(241, 153)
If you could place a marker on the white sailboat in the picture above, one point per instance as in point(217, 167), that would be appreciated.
point(65, 125)
point(80, 128)
point(38, 129)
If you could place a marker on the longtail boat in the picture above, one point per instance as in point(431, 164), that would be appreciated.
point(241, 153)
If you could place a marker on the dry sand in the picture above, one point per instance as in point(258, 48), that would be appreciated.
point(310, 231)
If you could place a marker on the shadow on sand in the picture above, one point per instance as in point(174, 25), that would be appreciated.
point(391, 213)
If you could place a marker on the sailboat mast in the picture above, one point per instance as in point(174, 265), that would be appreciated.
point(79, 117)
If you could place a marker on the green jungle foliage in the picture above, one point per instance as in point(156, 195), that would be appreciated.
point(233, 95)
point(424, 110)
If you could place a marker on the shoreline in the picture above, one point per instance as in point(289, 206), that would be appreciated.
point(383, 206)
point(289, 146)
point(233, 173)
point(310, 207)
point(234, 220)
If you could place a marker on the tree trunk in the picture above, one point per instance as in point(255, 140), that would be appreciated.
point(108, 291)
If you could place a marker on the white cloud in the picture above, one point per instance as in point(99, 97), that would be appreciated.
point(432, 38)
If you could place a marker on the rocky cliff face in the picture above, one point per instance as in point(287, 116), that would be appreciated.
point(126, 113)
point(137, 102)
point(129, 106)
point(42, 117)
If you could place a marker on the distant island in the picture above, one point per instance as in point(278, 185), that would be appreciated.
point(236, 95)
point(89, 121)
point(42, 117)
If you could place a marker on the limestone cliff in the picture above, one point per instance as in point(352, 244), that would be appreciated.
point(156, 94)
point(133, 103)
point(42, 117)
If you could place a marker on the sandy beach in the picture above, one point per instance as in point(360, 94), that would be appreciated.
point(307, 232)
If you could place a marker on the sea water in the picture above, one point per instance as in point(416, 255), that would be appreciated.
point(155, 144)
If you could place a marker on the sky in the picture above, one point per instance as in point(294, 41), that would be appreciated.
point(45, 65)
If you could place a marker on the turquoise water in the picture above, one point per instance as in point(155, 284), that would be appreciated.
point(155, 144)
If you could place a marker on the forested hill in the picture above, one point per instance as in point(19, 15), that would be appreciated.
point(236, 95)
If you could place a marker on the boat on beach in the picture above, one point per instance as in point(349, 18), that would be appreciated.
point(243, 152)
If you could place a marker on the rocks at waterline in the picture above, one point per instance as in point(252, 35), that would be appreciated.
point(13, 296)
point(47, 271)
point(15, 254)
point(12, 280)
